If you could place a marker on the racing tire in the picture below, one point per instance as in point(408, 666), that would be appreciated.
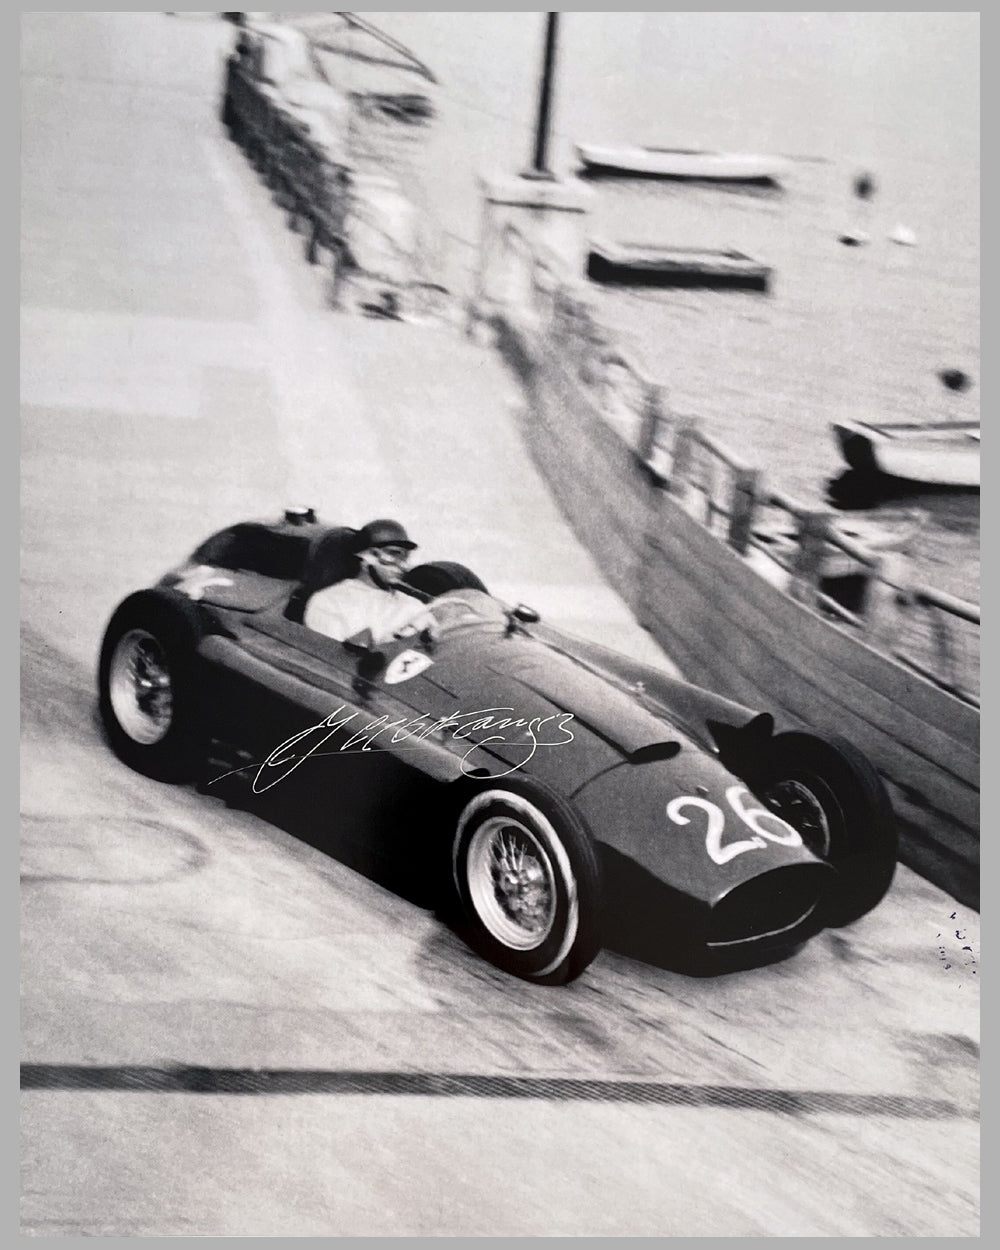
point(149, 688)
point(831, 793)
point(440, 576)
point(528, 881)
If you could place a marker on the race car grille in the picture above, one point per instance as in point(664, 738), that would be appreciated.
point(779, 906)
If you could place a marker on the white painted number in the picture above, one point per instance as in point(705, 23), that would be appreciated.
point(754, 817)
point(716, 823)
point(784, 835)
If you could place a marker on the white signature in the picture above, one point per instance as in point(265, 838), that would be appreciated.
point(286, 757)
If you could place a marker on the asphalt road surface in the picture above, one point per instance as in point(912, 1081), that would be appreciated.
point(227, 1032)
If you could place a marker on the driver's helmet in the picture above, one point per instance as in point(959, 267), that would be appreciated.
point(384, 548)
point(383, 533)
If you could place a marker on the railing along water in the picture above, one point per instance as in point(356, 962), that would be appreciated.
point(935, 634)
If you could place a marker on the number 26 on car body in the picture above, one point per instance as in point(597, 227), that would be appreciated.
point(736, 796)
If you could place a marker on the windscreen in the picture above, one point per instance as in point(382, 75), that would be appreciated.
point(458, 609)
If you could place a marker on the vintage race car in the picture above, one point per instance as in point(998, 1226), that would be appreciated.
point(569, 797)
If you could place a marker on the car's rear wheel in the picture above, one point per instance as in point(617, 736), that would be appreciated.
point(148, 689)
point(831, 793)
point(529, 882)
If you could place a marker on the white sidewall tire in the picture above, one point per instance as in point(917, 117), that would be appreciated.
point(174, 625)
point(572, 936)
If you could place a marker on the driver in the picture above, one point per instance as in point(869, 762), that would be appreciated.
point(370, 600)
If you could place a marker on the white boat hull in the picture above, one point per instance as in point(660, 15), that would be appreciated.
point(940, 454)
point(675, 163)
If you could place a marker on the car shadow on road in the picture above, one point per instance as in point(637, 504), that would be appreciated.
point(389, 829)
point(396, 832)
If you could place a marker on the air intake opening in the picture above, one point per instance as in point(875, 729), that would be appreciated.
point(771, 907)
point(655, 751)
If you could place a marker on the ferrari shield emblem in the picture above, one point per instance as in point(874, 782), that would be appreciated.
point(406, 665)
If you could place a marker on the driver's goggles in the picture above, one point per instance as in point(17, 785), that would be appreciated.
point(391, 554)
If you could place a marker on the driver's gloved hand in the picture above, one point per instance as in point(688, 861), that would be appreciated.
point(426, 629)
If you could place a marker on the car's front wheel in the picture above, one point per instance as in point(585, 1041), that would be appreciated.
point(831, 793)
point(148, 688)
point(528, 879)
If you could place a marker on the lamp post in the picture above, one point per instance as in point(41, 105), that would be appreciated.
point(539, 167)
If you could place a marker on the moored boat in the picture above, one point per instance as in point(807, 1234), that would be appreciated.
point(688, 163)
point(940, 453)
point(653, 263)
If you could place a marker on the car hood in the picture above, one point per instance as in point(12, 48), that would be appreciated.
point(603, 708)
point(596, 724)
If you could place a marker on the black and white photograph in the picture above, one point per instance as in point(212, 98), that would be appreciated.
point(499, 624)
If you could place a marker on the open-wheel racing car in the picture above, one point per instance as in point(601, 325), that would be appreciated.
point(569, 797)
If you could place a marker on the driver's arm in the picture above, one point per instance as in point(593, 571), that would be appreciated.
point(329, 619)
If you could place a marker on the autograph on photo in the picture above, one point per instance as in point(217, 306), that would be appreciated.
point(965, 958)
point(498, 723)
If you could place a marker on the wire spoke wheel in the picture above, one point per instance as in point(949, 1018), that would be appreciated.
point(528, 880)
point(512, 883)
point(807, 805)
point(832, 794)
point(140, 687)
point(151, 694)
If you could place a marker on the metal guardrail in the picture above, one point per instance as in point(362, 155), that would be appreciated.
point(933, 633)
point(322, 195)
point(313, 188)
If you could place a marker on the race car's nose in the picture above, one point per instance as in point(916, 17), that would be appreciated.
point(776, 908)
point(690, 823)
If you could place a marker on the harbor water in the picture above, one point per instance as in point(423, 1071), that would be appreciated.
point(845, 331)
